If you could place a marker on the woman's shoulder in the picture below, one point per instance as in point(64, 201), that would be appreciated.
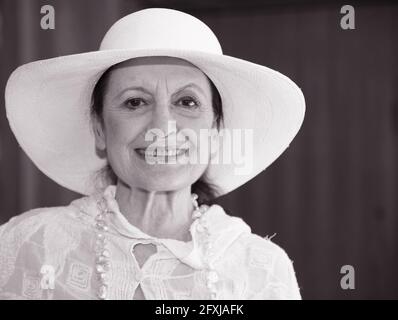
point(248, 241)
point(30, 221)
point(266, 265)
point(264, 257)
point(40, 237)
point(262, 251)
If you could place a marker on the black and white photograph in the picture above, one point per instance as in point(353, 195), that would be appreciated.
point(198, 150)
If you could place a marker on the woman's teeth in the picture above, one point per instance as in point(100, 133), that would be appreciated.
point(161, 153)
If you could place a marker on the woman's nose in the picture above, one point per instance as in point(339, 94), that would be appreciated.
point(163, 120)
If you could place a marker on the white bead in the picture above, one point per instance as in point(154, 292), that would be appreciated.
point(196, 214)
point(100, 259)
point(102, 292)
point(100, 224)
point(106, 253)
point(103, 277)
point(100, 268)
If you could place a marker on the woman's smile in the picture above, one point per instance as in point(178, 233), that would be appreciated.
point(161, 155)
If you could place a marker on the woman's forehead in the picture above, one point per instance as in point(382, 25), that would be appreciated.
point(146, 70)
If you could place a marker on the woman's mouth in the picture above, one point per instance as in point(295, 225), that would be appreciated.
point(161, 155)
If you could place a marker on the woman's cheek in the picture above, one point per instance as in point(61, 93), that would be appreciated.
point(120, 131)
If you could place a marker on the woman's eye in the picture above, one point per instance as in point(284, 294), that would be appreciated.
point(188, 102)
point(135, 103)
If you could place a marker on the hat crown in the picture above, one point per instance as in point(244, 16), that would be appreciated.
point(158, 28)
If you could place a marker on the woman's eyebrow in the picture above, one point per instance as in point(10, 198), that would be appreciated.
point(137, 88)
point(194, 85)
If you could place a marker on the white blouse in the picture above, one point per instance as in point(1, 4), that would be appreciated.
point(49, 253)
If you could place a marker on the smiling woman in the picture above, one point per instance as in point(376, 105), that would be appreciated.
point(127, 133)
point(190, 101)
point(144, 94)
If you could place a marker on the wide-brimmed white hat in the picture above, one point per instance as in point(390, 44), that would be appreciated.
point(48, 101)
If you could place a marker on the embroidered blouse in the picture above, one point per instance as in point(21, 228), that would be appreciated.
point(48, 253)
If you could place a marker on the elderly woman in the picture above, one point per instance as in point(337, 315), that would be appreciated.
point(123, 125)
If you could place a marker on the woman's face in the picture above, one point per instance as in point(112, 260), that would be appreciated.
point(145, 95)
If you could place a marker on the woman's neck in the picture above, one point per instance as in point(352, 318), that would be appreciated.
point(165, 214)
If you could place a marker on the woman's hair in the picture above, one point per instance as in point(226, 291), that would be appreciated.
point(205, 190)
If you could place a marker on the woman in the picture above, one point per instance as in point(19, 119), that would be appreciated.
point(123, 125)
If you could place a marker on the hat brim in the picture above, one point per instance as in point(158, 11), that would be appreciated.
point(47, 106)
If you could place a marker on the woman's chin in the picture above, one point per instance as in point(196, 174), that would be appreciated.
point(166, 178)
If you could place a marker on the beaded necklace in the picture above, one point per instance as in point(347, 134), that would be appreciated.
point(103, 256)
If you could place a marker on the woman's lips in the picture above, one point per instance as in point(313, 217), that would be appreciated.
point(161, 154)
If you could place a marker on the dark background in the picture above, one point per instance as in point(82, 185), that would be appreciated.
point(332, 196)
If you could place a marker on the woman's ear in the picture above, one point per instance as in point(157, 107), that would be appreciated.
point(99, 133)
